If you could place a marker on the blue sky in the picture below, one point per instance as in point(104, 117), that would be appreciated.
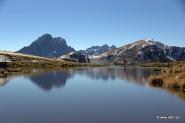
point(84, 23)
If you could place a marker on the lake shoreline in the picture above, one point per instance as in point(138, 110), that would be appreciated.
point(20, 66)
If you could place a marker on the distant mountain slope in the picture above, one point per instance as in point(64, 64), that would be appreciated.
point(96, 50)
point(75, 57)
point(83, 55)
point(143, 51)
point(47, 46)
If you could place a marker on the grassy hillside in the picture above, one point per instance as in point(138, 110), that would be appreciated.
point(20, 61)
point(19, 56)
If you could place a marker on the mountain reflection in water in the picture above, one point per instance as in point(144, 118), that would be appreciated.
point(48, 80)
point(3, 80)
point(136, 75)
point(58, 79)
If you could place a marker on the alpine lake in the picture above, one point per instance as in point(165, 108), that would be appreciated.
point(88, 95)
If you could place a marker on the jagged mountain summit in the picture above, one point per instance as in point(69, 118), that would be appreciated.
point(96, 50)
point(84, 55)
point(47, 46)
point(142, 51)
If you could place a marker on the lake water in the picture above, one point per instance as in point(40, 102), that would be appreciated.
point(88, 95)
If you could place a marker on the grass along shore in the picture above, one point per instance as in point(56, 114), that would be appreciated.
point(171, 78)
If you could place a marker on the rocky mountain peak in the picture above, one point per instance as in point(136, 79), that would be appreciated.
point(96, 50)
point(47, 46)
point(113, 47)
point(45, 37)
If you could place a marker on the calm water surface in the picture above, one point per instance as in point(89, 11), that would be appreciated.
point(88, 95)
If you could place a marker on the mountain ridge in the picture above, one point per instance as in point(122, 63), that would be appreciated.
point(142, 51)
